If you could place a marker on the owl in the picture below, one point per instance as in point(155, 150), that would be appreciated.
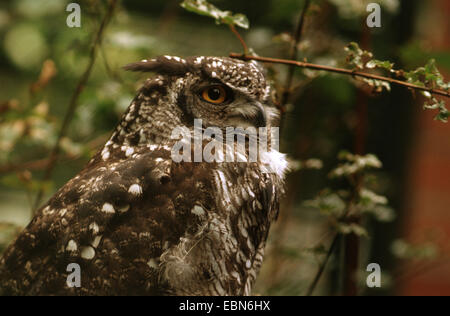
point(136, 221)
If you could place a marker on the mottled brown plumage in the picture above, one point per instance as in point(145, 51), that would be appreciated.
point(136, 221)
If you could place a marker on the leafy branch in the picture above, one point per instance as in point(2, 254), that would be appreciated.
point(428, 80)
point(344, 208)
point(41, 164)
point(423, 86)
point(203, 7)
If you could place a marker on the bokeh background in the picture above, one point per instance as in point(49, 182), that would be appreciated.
point(41, 61)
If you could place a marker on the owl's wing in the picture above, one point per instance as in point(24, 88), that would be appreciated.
point(114, 220)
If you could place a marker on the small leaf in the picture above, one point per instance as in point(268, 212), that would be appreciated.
point(378, 85)
point(380, 64)
point(313, 164)
point(426, 94)
point(356, 56)
point(328, 203)
point(431, 106)
point(354, 164)
point(427, 76)
point(352, 228)
point(203, 7)
point(382, 213)
point(404, 250)
point(238, 19)
point(435, 104)
point(442, 116)
point(373, 197)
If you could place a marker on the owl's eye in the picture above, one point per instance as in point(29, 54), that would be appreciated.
point(214, 94)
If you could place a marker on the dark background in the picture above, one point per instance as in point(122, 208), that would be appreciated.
point(327, 113)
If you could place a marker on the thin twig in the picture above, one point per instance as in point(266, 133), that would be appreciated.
point(293, 56)
point(323, 266)
point(112, 74)
point(74, 100)
point(29, 165)
point(351, 243)
point(341, 71)
point(286, 91)
point(41, 164)
point(349, 216)
point(239, 37)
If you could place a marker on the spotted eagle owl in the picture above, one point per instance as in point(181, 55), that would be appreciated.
point(135, 221)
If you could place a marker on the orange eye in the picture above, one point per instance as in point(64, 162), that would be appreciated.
point(214, 94)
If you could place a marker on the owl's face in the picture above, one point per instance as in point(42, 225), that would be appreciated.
point(222, 92)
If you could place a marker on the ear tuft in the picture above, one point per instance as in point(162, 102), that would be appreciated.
point(170, 65)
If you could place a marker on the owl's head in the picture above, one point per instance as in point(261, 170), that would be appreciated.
point(222, 92)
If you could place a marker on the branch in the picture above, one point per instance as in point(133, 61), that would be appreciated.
point(74, 100)
point(293, 56)
point(286, 91)
point(341, 71)
point(29, 165)
point(349, 216)
point(239, 37)
point(319, 273)
point(41, 164)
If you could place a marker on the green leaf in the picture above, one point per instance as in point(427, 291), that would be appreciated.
point(362, 59)
point(443, 115)
point(357, 57)
point(427, 76)
point(435, 104)
point(426, 94)
point(203, 7)
point(238, 19)
point(354, 164)
point(372, 197)
point(382, 213)
point(352, 228)
point(374, 63)
point(378, 85)
point(404, 250)
point(328, 203)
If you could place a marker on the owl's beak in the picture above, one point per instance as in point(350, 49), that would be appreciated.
point(246, 115)
point(260, 118)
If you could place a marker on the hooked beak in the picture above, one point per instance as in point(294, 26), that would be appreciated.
point(260, 119)
point(252, 114)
